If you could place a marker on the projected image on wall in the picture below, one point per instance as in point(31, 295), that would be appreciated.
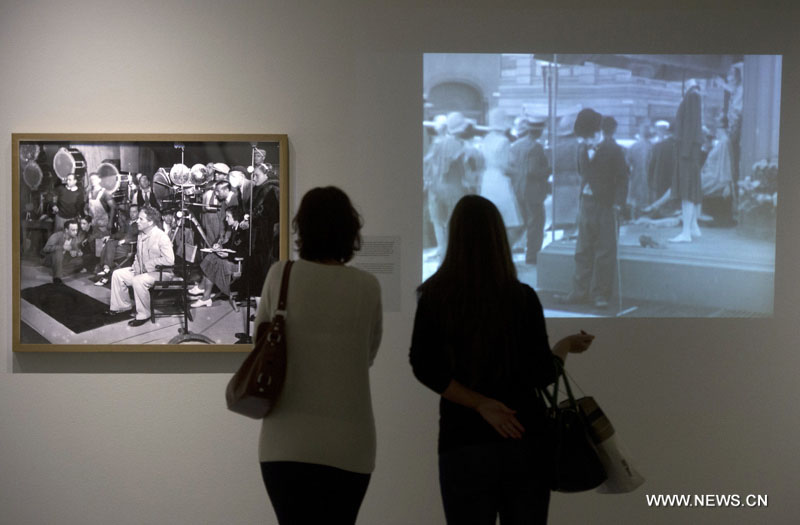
point(630, 185)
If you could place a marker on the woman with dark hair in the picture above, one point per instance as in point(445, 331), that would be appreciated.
point(317, 447)
point(480, 342)
point(220, 266)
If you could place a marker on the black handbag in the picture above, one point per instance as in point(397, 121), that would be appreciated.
point(254, 389)
point(576, 465)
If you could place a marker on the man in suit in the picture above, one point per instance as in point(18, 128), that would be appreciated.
point(145, 195)
point(153, 248)
point(530, 170)
point(242, 186)
point(604, 180)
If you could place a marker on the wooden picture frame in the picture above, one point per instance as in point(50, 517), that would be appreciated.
point(61, 304)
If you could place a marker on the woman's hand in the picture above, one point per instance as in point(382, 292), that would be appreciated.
point(573, 344)
point(501, 418)
point(579, 343)
point(493, 411)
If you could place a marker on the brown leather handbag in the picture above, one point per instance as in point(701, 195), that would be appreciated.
point(254, 389)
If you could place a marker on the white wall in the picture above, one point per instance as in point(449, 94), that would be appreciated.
point(706, 406)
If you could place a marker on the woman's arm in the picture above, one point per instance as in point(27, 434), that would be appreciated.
point(428, 355)
point(493, 411)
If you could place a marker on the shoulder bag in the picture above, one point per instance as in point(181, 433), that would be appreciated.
point(254, 389)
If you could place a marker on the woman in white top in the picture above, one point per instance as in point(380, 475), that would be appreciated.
point(317, 447)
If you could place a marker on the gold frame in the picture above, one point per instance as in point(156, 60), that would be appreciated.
point(17, 346)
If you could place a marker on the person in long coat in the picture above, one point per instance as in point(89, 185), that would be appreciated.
point(689, 137)
point(530, 171)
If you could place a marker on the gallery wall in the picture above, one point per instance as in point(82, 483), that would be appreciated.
point(705, 406)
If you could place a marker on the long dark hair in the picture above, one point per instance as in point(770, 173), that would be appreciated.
point(476, 284)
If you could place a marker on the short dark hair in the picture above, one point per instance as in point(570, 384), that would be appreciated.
point(222, 183)
point(69, 223)
point(87, 218)
point(153, 215)
point(608, 125)
point(327, 226)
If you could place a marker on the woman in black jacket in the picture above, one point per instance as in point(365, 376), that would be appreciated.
point(480, 342)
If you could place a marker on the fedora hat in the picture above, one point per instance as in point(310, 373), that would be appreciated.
point(531, 123)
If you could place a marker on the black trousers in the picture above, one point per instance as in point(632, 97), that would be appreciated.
point(480, 482)
point(595, 251)
point(308, 493)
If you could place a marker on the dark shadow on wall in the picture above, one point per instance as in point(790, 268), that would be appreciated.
point(126, 363)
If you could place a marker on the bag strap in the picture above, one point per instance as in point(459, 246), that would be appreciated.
point(570, 396)
point(561, 375)
point(287, 270)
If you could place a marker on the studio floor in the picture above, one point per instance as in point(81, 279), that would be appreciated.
point(220, 322)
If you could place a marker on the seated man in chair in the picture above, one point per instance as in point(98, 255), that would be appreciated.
point(153, 249)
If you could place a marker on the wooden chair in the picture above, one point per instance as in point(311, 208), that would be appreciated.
point(233, 298)
point(168, 295)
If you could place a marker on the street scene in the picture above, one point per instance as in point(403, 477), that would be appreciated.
point(629, 185)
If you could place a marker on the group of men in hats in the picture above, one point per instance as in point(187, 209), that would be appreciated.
point(513, 175)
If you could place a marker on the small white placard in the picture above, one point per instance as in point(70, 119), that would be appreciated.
point(380, 256)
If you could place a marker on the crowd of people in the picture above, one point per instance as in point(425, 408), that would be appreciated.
point(670, 170)
point(130, 238)
point(512, 175)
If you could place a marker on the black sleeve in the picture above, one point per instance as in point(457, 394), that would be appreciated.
point(428, 354)
point(543, 368)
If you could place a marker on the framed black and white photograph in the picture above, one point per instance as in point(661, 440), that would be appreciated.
point(674, 217)
point(144, 243)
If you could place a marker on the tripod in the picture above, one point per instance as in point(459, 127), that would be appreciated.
point(244, 338)
point(184, 335)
